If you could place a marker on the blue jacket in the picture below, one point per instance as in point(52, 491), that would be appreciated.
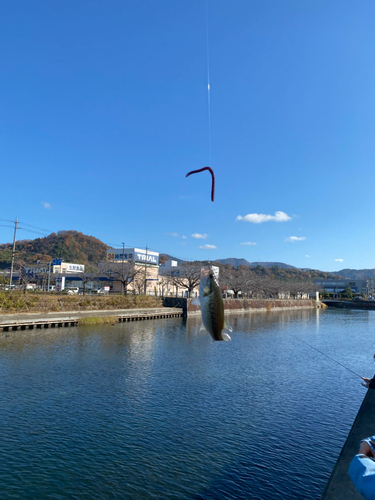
point(362, 472)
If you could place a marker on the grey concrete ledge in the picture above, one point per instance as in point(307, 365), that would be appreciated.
point(73, 315)
point(254, 311)
point(340, 486)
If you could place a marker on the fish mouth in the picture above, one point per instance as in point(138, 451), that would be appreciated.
point(206, 271)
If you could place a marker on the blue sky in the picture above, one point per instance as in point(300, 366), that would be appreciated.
point(104, 111)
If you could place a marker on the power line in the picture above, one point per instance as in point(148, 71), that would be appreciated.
point(32, 231)
point(36, 227)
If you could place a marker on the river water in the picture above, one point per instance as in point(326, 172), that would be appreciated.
point(156, 410)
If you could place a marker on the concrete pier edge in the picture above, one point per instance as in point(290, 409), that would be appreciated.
point(340, 486)
point(9, 322)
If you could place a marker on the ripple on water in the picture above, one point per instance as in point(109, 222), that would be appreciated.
point(157, 410)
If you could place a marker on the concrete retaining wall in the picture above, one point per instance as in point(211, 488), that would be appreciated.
point(28, 321)
point(241, 305)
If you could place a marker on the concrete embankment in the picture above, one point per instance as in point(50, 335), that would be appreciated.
point(25, 321)
point(242, 305)
point(339, 486)
point(366, 305)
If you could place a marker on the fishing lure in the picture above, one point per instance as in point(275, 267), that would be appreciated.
point(213, 179)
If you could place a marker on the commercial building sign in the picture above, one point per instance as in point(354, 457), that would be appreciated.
point(134, 255)
point(67, 267)
point(74, 268)
point(36, 270)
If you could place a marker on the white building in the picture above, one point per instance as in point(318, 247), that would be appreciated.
point(137, 255)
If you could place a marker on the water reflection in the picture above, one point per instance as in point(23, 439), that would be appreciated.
point(156, 409)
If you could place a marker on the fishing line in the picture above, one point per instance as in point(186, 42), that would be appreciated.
point(329, 357)
point(208, 87)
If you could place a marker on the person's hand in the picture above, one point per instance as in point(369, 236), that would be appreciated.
point(365, 449)
point(367, 382)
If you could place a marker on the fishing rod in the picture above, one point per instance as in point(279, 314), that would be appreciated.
point(329, 357)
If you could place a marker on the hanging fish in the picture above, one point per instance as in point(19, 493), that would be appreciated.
point(213, 179)
point(212, 306)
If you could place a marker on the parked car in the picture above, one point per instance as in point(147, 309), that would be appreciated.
point(73, 291)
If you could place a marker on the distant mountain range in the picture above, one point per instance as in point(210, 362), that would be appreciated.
point(243, 262)
point(344, 273)
point(233, 262)
point(355, 274)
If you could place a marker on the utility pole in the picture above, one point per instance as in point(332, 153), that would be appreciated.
point(49, 275)
point(122, 277)
point(13, 251)
point(145, 290)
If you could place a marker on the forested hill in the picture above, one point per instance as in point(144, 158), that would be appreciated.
point(287, 274)
point(267, 269)
point(355, 274)
point(71, 246)
point(243, 262)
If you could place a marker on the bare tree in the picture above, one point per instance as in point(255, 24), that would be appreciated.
point(25, 278)
point(235, 279)
point(187, 276)
point(125, 272)
point(138, 284)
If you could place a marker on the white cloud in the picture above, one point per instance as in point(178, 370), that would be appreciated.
point(199, 236)
point(292, 239)
point(184, 237)
point(208, 247)
point(259, 218)
point(184, 243)
point(308, 256)
point(172, 234)
point(250, 243)
point(46, 204)
point(339, 260)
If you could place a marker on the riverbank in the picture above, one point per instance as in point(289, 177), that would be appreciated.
point(31, 302)
point(19, 302)
point(243, 305)
point(29, 321)
point(366, 305)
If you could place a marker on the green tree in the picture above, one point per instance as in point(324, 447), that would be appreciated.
point(348, 294)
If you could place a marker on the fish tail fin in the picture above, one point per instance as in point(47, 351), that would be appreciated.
point(226, 327)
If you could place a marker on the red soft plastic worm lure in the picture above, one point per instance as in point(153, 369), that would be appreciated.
point(213, 179)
